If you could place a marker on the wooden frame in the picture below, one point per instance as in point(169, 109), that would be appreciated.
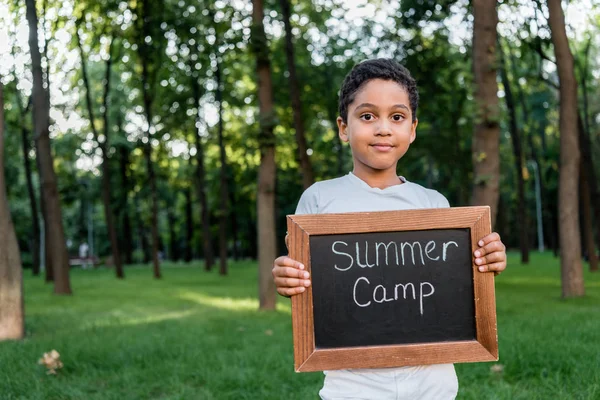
point(309, 358)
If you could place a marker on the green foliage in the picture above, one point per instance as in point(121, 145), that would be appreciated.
point(181, 43)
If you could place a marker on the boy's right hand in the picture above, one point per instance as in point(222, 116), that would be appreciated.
point(290, 276)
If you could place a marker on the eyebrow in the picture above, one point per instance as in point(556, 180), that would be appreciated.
point(369, 105)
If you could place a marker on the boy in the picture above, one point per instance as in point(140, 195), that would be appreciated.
point(378, 107)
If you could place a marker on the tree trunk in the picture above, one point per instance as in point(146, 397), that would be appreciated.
point(252, 239)
point(523, 224)
point(502, 224)
point(124, 209)
point(12, 321)
point(106, 189)
point(55, 237)
point(588, 191)
point(200, 184)
point(463, 190)
point(305, 164)
point(106, 185)
point(234, 226)
point(143, 52)
point(586, 146)
point(154, 205)
point(173, 253)
point(584, 86)
point(189, 225)
point(267, 250)
point(224, 211)
point(548, 230)
point(486, 138)
point(570, 243)
point(48, 271)
point(141, 232)
point(332, 111)
point(26, 146)
point(586, 219)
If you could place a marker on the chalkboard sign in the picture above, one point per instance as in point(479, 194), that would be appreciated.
point(391, 289)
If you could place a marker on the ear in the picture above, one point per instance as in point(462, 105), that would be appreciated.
point(413, 130)
point(342, 130)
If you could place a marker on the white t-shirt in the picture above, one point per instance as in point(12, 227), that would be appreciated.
point(351, 194)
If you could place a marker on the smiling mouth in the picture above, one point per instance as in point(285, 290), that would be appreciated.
point(382, 146)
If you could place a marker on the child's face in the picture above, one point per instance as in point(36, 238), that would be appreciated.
point(379, 127)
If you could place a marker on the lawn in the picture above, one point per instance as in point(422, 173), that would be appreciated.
point(197, 335)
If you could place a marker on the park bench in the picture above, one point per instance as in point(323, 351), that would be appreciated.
point(84, 261)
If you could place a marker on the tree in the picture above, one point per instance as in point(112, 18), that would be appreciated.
point(189, 223)
point(586, 218)
point(223, 190)
point(11, 277)
point(570, 239)
point(123, 210)
point(103, 145)
point(26, 147)
point(224, 196)
point(55, 238)
point(486, 159)
point(266, 174)
point(201, 179)
point(144, 51)
point(589, 190)
point(305, 164)
point(518, 156)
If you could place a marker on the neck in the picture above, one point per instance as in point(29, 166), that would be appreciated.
point(379, 179)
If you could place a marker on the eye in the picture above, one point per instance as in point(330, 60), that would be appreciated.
point(367, 117)
point(397, 117)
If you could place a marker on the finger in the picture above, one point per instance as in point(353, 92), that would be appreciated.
point(285, 261)
point(493, 267)
point(287, 292)
point(491, 258)
point(284, 282)
point(492, 247)
point(289, 272)
point(492, 237)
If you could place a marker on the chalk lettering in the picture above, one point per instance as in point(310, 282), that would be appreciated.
point(343, 254)
point(404, 287)
point(380, 294)
point(421, 295)
point(417, 253)
point(366, 256)
point(412, 251)
point(362, 278)
point(387, 247)
point(429, 248)
point(445, 247)
point(384, 294)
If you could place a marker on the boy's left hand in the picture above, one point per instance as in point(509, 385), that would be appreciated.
point(491, 254)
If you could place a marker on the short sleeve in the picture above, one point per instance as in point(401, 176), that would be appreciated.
point(442, 201)
point(309, 201)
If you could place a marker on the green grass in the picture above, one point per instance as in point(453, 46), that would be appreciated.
point(196, 335)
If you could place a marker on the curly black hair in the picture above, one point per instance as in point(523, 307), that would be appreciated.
point(380, 68)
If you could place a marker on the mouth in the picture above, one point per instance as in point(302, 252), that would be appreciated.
point(383, 146)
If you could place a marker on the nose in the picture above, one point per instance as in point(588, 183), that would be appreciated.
point(384, 128)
